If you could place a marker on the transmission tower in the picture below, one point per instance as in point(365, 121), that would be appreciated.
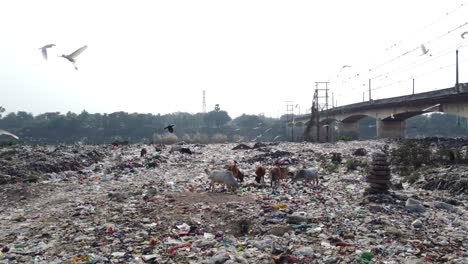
point(319, 103)
point(204, 102)
point(290, 116)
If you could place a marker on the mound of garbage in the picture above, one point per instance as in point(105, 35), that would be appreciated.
point(32, 163)
point(119, 204)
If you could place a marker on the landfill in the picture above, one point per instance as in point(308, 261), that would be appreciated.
point(112, 204)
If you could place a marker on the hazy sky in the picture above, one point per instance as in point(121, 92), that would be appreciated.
point(250, 56)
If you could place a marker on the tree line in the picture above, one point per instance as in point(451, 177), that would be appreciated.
point(58, 128)
point(213, 126)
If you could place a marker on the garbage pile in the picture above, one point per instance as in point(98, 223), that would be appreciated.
point(157, 208)
point(32, 163)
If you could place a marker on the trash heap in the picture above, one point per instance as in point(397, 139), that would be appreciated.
point(125, 208)
point(379, 175)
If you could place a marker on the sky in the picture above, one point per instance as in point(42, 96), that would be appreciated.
point(249, 56)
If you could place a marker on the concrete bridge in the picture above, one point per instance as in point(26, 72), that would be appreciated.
point(390, 114)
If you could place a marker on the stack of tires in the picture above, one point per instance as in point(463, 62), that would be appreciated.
point(379, 175)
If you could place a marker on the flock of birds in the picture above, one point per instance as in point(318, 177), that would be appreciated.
point(70, 57)
point(426, 51)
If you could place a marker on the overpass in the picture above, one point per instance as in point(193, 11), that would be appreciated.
point(390, 114)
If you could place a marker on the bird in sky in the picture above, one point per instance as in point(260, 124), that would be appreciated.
point(170, 128)
point(277, 137)
point(44, 50)
point(424, 50)
point(3, 132)
point(464, 33)
point(430, 107)
point(72, 57)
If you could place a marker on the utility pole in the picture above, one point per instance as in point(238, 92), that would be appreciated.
point(290, 114)
point(370, 97)
point(457, 84)
point(326, 109)
point(317, 114)
point(413, 86)
point(333, 101)
point(204, 103)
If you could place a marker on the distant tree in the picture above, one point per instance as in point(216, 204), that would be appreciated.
point(247, 121)
point(1, 111)
point(217, 118)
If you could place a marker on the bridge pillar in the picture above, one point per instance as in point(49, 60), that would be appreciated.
point(310, 134)
point(391, 129)
point(349, 129)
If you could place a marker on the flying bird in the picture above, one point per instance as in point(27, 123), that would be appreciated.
point(72, 57)
point(430, 107)
point(44, 50)
point(170, 128)
point(424, 50)
point(464, 33)
point(276, 138)
point(3, 132)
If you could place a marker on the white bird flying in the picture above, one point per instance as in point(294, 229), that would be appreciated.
point(72, 57)
point(276, 138)
point(425, 109)
point(464, 33)
point(3, 132)
point(424, 50)
point(44, 50)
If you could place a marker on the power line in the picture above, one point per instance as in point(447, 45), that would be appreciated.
point(416, 76)
point(417, 63)
point(446, 15)
point(418, 47)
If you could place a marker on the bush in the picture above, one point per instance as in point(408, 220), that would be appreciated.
point(200, 138)
point(410, 153)
point(187, 138)
point(449, 155)
point(412, 178)
point(219, 138)
point(238, 138)
point(330, 167)
point(352, 164)
point(166, 139)
point(344, 138)
point(7, 143)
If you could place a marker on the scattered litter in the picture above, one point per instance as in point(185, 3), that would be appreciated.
point(120, 204)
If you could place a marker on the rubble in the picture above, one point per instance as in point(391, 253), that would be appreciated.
point(106, 204)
